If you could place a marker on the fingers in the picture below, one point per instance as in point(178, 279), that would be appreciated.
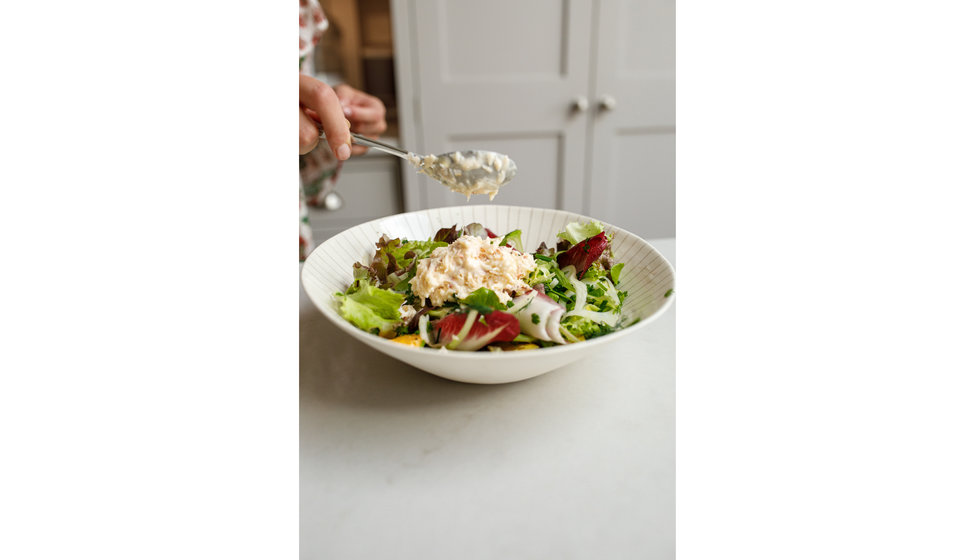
point(320, 98)
point(365, 112)
point(345, 93)
point(369, 121)
point(309, 134)
point(355, 150)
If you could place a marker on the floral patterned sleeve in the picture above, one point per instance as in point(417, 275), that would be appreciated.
point(312, 24)
point(319, 168)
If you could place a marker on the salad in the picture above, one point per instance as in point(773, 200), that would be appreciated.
point(468, 289)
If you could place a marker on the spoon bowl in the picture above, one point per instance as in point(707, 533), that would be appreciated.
point(468, 172)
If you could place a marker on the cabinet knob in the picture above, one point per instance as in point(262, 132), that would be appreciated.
point(580, 104)
point(333, 201)
point(607, 102)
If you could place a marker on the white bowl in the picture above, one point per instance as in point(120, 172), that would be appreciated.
point(647, 276)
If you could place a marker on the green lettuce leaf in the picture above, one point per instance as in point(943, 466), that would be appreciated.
point(580, 326)
point(543, 273)
point(614, 273)
point(484, 300)
point(513, 239)
point(362, 275)
point(577, 232)
point(371, 308)
point(421, 250)
point(593, 272)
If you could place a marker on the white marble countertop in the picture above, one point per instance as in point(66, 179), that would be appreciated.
point(397, 463)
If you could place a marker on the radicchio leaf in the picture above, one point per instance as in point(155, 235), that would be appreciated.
point(497, 326)
point(584, 253)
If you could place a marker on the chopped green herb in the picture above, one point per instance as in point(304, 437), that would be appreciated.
point(535, 318)
point(670, 291)
point(558, 296)
point(563, 280)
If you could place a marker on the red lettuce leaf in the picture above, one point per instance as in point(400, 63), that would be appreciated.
point(447, 235)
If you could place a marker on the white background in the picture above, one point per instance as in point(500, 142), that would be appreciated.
point(827, 255)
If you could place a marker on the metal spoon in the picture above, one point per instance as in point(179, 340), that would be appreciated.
point(468, 172)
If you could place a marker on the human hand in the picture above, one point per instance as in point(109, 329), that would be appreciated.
point(319, 105)
point(365, 112)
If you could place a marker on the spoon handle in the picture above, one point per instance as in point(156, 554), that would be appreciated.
point(358, 139)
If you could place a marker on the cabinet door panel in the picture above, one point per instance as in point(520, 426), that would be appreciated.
point(479, 40)
point(646, 40)
point(632, 179)
point(638, 194)
point(502, 76)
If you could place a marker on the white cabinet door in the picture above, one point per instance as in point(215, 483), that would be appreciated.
point(503, 76)
point(632, 141)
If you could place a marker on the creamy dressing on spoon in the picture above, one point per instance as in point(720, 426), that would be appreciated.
point(475, 172)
